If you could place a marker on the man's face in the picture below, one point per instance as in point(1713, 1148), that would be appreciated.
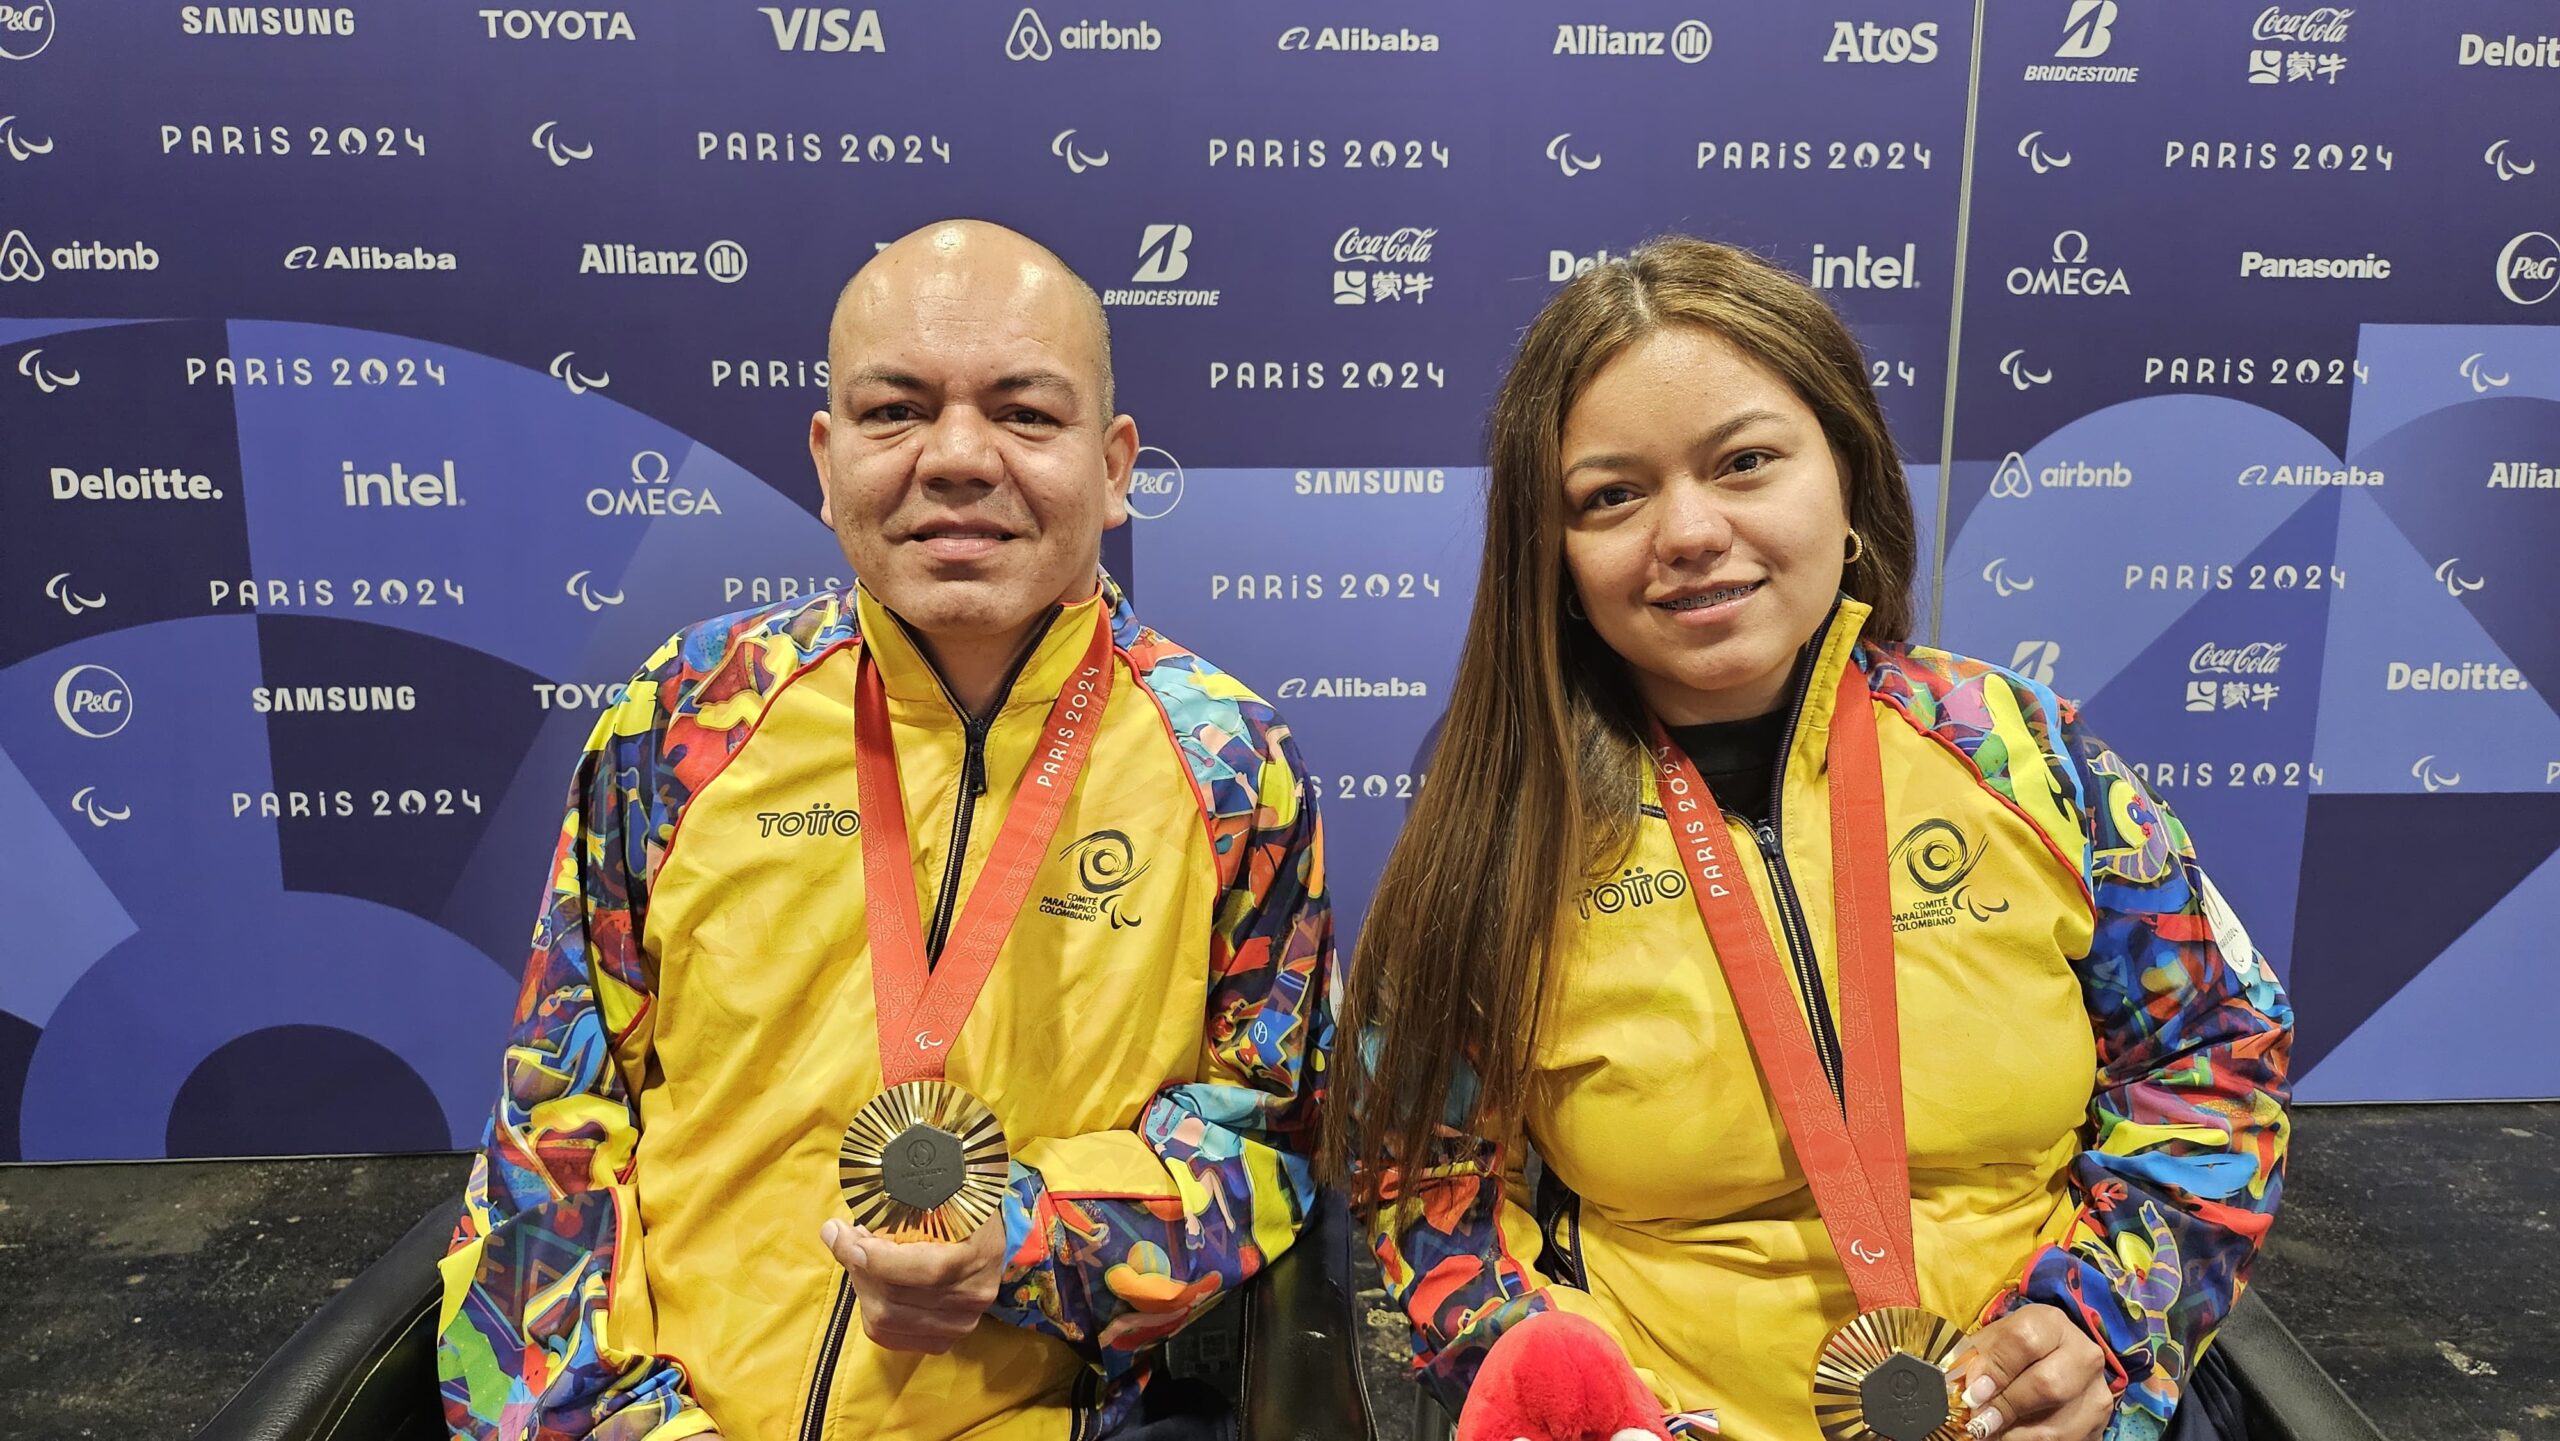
point(968, 465)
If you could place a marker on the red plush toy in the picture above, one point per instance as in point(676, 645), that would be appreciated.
point(1557, 1377)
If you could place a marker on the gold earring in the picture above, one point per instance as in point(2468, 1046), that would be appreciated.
point(1857, 547)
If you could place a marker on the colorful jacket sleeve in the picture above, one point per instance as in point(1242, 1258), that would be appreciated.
point(548, 1250)
point(1117, 1238)
point(2188, 1123)
point(1459, 1255)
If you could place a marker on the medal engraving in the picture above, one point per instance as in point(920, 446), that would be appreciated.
point(923, 1161)
point(1883, 1377)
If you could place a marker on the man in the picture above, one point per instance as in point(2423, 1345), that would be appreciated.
point(742, 956)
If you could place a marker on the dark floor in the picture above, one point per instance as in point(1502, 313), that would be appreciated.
point(2415, 1258)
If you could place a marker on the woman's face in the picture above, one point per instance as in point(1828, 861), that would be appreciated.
point(1704, 523)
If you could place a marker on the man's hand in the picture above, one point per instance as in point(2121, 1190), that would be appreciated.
point(2036, 1377)
point(919, 1295)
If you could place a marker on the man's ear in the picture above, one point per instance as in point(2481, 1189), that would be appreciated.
point(1119, 456)
point(820, 425)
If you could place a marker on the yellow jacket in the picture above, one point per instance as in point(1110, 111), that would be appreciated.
point(2092, 1057)
point(640, 1253)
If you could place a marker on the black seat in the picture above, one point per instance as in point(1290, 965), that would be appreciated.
point(364, 1367)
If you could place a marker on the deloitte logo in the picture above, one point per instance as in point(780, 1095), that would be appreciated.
point(2528, 268)
point(25, 30)
point(1029, 37)
point(93, 701)
point(1154, 490)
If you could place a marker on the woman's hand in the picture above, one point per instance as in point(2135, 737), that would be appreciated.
point(2035, 1376)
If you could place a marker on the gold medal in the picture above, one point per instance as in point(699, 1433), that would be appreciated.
point(1884, 1375)
point(923, 1161)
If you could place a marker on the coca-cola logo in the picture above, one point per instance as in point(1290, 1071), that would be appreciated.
point(2258, 657)
point(1409, 245)
point(2324, 26)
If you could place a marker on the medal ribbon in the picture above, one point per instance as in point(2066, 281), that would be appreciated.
point(1852, 1148)
point(921, 1006)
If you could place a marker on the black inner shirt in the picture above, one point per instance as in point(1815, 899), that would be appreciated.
point(1739, 760)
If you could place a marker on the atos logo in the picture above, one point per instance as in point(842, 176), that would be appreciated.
point(93, 701)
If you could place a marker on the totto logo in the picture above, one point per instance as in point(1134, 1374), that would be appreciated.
point(2002, 582)
point(2455, 583)
point(2482, 382)
point(60, 591)
point(47, 380)
point(85, 802)
point(18, 258)
point(2495, 157)
point(1078, 160)
point(18, 146)
point(2086, 31)
point(2529, 268)
point(546, 138)
point(2035, 659)
point(587, 595)
point(93, 701)
point(1162, 253)
point(725, 261)
point(2025, 377)
point(2424, 772)
point(1561, 152)
point(2040, 160)
point(564, 369)
point(25, 30)
point(1154, 490)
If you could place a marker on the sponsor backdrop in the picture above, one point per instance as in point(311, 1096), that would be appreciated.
point(379, 384)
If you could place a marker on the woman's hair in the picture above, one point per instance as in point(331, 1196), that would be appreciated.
point(1535, 780)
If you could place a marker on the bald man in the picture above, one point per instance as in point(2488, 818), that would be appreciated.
point(969, 848)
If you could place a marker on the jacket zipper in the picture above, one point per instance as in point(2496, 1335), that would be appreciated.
point(1771, 835)
point(973, 784)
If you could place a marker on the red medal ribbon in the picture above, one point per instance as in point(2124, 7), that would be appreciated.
point(921, 1006)
point(1852, 1148)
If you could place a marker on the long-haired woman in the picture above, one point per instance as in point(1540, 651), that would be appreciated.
point(1850, 995)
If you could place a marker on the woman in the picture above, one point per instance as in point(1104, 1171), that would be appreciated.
point(1903, 917)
